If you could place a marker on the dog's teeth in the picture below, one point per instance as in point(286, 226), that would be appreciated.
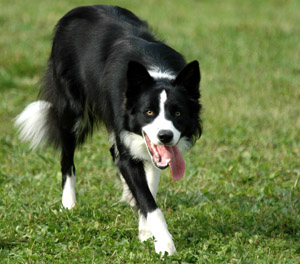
point(156, 158)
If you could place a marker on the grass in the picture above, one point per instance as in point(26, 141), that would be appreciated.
point(239, 199)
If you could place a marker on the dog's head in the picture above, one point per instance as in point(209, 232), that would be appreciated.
point(165, 111)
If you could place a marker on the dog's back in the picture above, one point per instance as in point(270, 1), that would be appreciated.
point(82, 45)
point(91, 49)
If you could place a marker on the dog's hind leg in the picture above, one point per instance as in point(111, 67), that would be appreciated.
point(39, 123)
point(68, 129)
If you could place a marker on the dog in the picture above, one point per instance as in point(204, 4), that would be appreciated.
point(107, 67)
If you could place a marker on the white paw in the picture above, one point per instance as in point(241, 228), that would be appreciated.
point(165, 245)
point(69, 197)
point(69, 204)
point(68, 200)
point(163, 239)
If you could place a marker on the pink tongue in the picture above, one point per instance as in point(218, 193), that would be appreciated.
point(176, 162)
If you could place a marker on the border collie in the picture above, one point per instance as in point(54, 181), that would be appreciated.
point(105, 66)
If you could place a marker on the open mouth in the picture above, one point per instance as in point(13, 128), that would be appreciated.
point(164, 156)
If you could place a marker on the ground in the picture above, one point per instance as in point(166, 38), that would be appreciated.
point(239, 199)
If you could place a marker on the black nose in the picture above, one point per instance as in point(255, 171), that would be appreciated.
point(165, 136)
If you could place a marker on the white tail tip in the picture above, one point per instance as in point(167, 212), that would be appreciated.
point(32, 123)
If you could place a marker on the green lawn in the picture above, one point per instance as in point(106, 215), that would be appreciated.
point(239, 199)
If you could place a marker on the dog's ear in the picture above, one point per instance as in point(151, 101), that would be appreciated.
point(137, 77)
point(189, 79)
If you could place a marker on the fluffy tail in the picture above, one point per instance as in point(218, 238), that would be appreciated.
point(32, 123)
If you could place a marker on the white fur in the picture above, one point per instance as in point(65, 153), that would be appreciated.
point(152, 176)
point(184, 144)
point(32, 123)
point(158, 227)
point(160, 122)
point(127, 194)
point(144, 229)
point(68, 196)
point(157, 73)
point(136, 145)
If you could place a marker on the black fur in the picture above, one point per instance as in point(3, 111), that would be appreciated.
point(87, 75)
point(98, 72)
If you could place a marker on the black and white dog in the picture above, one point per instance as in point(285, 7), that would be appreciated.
point(105, 66)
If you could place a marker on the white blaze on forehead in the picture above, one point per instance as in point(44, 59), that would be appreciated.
point(161, 123)
point(163, 99)
point(157, 73)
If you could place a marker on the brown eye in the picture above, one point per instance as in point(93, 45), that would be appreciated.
point(149, 113)
point(177, 114)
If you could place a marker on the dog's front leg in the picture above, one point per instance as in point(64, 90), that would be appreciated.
point(150, 215)
point(152, 176)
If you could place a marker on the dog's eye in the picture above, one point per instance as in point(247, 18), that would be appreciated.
point(149, 113)
point(177, 114)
